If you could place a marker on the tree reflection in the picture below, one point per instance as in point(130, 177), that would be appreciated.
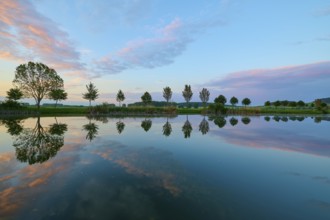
point(58, 128)
point(13, 125)
point(92, 130)
point(220, 121)
point(146, 124)
point(267, 118)
point(120, 126)
point(204, 126)
point(39, 144)
point(246, 120)
point(187, 128)
point(233, 121)
point(101, 118)
point(167, 129)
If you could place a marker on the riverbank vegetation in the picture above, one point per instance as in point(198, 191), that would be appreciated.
point(38, 81)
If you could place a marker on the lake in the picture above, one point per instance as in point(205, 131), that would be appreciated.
point(185, 167)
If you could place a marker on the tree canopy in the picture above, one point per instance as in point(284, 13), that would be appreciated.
point(14, 94)
point(36, 80)
point(233, 100)
point(146, 98)
point(120, 97)
point(220, 99)
point(187, 93)
point(246, 101)
point(204, 95)
point(58, 95)
point(167, 94)
point(91, 94)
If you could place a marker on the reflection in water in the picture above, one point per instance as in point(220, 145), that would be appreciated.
point(246, 120)
point(39, 144)
point(167, 129)
point(146, 124)
point(58, 128)
point(120, 126)
point(204, 126)
point(103, 119)
point(13, 125)
point(220, 121)
point(187, 128)
point(267, 118)
point(233, 121)
point(92, 130)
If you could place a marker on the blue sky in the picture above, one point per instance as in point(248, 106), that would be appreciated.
point(258, 49)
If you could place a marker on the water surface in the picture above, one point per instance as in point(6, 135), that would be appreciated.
point(187, 167)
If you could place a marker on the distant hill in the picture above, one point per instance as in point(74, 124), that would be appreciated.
point(326, 100)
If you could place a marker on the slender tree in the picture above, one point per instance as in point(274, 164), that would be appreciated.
point(58, 95)
point(246, 101)
point(120, 97)
point(187, 93)
point(91, 94)
point(167, 94)
point(233, 101)
point(204, 95)
point(36, 80)
point(146, 98)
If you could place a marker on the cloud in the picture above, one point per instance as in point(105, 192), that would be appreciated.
point(303, 81)
point(273, 138)
point(323, 12)
point(168, 43)
point(27, 34)
point(324, 38)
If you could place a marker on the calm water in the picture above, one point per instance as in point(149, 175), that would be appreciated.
point(165, 168)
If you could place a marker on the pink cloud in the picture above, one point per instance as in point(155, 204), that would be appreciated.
point(168, 43)
point(27, 34)
point(296, 82)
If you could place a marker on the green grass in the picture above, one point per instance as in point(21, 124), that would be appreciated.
point(151, 110)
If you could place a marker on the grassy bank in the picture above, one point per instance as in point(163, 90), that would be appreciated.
point(150, 110)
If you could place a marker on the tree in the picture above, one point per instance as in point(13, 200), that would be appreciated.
point(91, 94)
point(246, 101)
point(58, 95)
point(14, 94)
point(146, 98)
point(204, 95)
point(187, 93)
point(167, 94)
point(204, 126)
point(36, 80)
point(146, 124)
point(120, 97)
point(233, 100)
point(301, 103)
point(220, 99)
point(267, 103)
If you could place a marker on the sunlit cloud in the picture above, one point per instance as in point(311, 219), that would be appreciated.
point(28, 35)
point(168, 43)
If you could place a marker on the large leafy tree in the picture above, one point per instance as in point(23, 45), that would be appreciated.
point(167, 94)
point(58, 95)
point(204, 95)
point(91, 94)
point(146, 98)
point(187, 93)
point(36, 80)
point(120, 97)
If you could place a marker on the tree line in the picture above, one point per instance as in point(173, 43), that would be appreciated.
point(38, 81)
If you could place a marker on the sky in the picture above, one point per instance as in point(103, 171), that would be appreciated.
point(263, 50)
